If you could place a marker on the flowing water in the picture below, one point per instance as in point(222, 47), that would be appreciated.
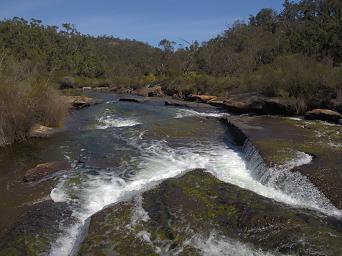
point(119, 149)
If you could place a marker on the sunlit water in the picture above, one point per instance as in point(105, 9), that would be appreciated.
point(146, 144)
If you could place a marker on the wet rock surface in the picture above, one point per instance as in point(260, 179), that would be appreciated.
point(36, 230)
point(277, 139)
point(46, 169)
point(168, 218)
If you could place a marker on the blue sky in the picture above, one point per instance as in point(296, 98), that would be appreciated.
point(144, 20)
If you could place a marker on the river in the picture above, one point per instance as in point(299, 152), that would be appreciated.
point(119, 149)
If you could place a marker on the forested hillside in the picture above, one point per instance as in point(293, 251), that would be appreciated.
point(294, 54)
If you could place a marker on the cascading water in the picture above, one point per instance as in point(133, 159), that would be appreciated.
point(293, 184)
point(147, 158)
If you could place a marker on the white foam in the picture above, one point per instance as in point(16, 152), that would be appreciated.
point(139, 214)
point(158, 162)
point(111, 121)
point(301, 158)
point(298, 186)
point(282, 185)
point(216, 245)
point(144, 236)
point(181, 113)
point(58, 194)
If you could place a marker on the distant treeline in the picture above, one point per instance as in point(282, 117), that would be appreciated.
point(295, 53)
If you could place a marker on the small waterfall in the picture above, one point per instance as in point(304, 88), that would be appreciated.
point(254, 161)
point(282, 177)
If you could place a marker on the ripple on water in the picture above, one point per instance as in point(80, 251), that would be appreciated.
point(181, 113)
point(111, 121)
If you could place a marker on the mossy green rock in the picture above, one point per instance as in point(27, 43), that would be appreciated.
point(36, 230)
point(198, 204)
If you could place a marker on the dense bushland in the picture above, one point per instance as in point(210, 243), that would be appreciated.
point(247, 56)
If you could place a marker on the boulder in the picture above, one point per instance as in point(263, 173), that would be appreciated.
point(67, 82)
point(149, 91)
point(200, 98)
point(46, 169)
point(324, 115)
point(174, 93)
point(79, 102)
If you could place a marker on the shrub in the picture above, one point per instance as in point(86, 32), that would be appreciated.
point(16, 113)
point(22, 105)
point(49, 107)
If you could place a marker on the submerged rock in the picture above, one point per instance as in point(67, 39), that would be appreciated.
point(324, 115)
point(36, 230)
point(166, 219)
point(46, 169)
point(41, 131)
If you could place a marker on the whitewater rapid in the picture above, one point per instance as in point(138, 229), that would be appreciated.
point(158, 161)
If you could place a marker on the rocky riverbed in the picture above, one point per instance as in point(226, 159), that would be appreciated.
point(156, 179)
